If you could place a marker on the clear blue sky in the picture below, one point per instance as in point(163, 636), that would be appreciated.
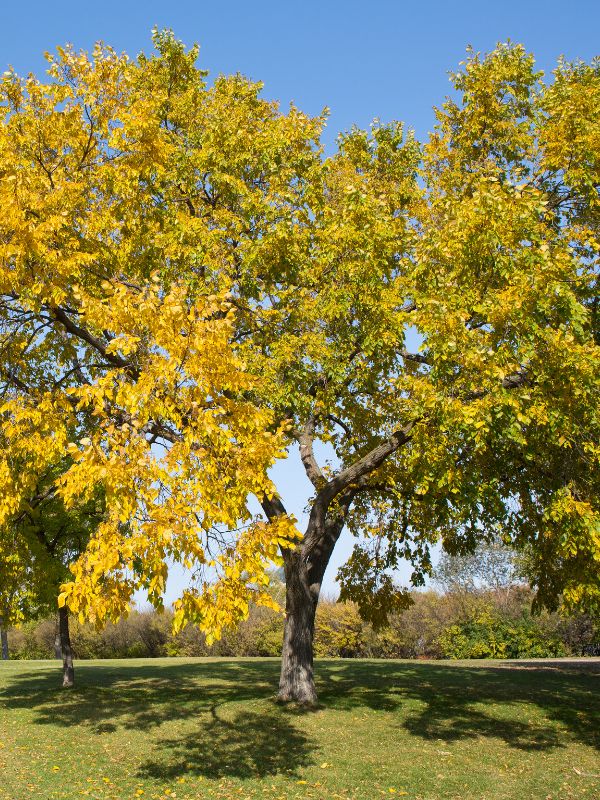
point(384, 58)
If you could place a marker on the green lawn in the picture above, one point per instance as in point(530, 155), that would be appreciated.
point(208, 728)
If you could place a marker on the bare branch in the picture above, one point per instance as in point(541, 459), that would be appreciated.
point(82, 333)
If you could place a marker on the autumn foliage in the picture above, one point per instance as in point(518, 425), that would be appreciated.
point(190, 288)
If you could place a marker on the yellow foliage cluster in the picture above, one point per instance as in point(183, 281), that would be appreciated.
point(187, 285)
point(129, 377)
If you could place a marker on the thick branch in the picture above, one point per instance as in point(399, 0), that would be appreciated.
point(344, 485)
point(273, 507)
point(366, 464)
point(313, 470)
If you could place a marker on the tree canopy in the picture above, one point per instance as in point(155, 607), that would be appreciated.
point(189, 286)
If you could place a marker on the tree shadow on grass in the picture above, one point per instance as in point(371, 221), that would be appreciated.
point(247, 745)
point(232, 729)
point(142, 695)
point(219, 738)
point(533, 708)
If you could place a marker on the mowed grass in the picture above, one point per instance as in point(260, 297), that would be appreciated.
point(205, 728)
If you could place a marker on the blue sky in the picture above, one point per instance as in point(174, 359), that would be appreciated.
point(364, 60)
point(381, 58)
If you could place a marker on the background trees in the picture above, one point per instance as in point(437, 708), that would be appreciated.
point(42, 540)
point(482, 624)
point(192, 286)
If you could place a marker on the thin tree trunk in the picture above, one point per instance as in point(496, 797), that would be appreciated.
point(4, 638)
point(297, 683)
point(65, 646)
point(57, 647)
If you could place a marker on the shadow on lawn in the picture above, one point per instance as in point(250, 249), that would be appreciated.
point(246, 745)
point(538, 708)
point(231, 731)
point(219, 739)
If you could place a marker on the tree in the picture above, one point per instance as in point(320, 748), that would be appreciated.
point(185, 275)
point(492, 566)
point(14, 594)
point(56, 537)
point(118, 362)
point(44, 539)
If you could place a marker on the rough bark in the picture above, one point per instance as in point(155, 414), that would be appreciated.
point(65, 646)
point(4, 639)
point(296, 683)
point(304, 572)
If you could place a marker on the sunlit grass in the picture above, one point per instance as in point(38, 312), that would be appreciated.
point(207, 728)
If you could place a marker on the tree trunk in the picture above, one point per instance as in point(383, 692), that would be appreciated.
point(65, 646)
point(4, 638)
point(297, 683)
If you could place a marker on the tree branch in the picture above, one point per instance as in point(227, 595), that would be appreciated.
point(313, 470)
point(418, 357)
point(367, 463)
point(273, 507)
point(82, 333)
point(513, 381)
point(344, 484)
point(12, 378)
point(341, 424)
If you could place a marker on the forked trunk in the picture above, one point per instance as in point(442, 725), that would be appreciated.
point(4, 638)
point(297, 683)
point(65, 647)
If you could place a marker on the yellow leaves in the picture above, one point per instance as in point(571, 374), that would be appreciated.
point(164, 502)
point(125, 345)
point(242, 575)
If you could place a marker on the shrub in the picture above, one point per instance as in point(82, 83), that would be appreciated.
point(339, 630)
point(488, 635)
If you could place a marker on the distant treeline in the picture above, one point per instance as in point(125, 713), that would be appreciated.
point(487, 624)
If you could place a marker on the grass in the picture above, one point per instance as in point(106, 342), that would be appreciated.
point(208, 728)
